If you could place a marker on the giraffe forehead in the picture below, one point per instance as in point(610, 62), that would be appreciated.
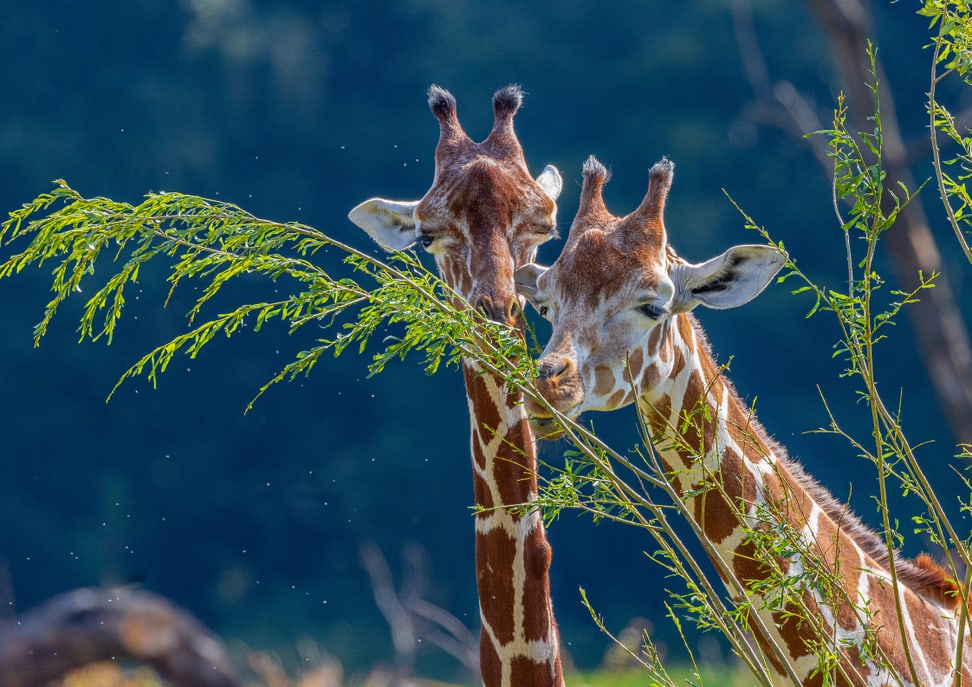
point(600, 271)
point(482, 193)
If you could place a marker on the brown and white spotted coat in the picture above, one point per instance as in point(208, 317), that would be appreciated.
point(619, 299)
point(484, 217)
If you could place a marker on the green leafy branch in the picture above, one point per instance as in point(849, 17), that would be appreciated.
point(951, 44)
point(214, 243)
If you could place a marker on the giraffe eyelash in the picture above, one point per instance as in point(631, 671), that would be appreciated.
point(652, 311)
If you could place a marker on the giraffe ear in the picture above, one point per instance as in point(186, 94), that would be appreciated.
point(551, 181)
point(389, 222)
point(526, 278)
point(728, 280)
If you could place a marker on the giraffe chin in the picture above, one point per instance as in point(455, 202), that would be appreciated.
point(545, 428)
point(544, 425)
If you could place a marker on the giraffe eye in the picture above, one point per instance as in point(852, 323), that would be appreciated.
point(542, 310)
point(652, 311)
point(425, 240)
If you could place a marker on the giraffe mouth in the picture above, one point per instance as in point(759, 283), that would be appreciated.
point(546, 428)
point(563, 398)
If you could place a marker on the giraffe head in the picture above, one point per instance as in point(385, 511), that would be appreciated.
point(613, 288)
point(484, 215)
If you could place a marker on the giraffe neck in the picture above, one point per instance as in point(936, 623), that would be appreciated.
point(519, 643)
point(734, 480)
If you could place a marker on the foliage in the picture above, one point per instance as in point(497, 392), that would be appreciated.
point(951, 59)
point(211, 244)
point(214, 243)
point(713, 677)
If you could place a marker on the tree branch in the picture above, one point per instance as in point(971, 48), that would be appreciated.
point(413, 619)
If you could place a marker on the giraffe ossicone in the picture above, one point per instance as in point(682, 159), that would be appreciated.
point(484, 217)
point(619, 298)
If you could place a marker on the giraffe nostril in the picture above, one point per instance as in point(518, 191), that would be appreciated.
point(554, 369)
point(514, 312)
point(485, 306)
point(506, 311)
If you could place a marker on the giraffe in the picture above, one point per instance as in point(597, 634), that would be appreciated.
point(483, 217)
point(620, 300)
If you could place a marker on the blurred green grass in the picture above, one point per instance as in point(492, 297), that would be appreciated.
point(106, 674)
point(635, 677)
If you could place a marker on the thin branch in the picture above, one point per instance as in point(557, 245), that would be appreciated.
point(411, 618)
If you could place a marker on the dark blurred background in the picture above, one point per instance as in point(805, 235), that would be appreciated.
point(300, 110)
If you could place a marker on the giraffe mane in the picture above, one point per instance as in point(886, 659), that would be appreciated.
point(922, 574)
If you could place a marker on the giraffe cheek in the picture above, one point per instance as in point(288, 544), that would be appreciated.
point(603, 382)
point(618, 399)
point(636, 361)
point(455, 273)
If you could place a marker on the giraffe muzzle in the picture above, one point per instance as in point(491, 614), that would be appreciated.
point(553, 370)
point(560, 385)
point(502, 310)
